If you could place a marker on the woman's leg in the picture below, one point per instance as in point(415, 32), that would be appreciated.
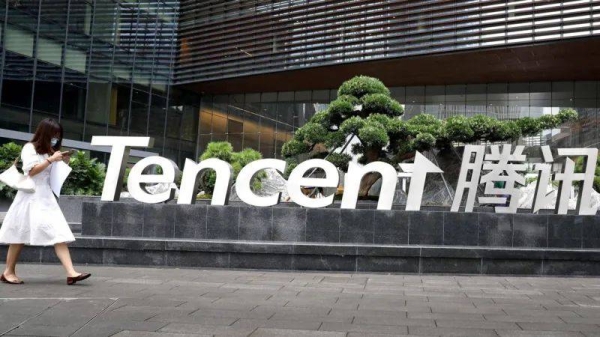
point(62, 251)
point(12, 257)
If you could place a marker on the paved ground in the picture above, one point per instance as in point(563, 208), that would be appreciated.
point(140, 302)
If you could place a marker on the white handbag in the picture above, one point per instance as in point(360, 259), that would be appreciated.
point(14, 179)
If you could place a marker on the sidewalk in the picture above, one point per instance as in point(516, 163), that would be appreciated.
point(141, 302)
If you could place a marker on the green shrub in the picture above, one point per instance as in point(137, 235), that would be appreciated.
point(340, 160)
point(381, 104)
point(373, 134)
point(312, 133)
point(338, 110)
point(482, 126)
point(363, 85)
point(459, 129)
point(87, 177)
point(224, 151)
point(219, 150)
point(424, 142)
point(293, 148)
point(567, 115)
point(8, 153)
point(529, 126)
point(352, 125)
point(580, 169)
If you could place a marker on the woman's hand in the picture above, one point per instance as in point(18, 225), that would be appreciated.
point(56, 156)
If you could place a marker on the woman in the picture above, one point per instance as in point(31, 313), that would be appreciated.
point(35, 218)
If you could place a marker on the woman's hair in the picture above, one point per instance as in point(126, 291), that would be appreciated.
point(46, 130)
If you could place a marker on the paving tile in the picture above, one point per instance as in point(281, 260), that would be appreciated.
point(155, 334)
point(262, 332)
point(45, 330)
point(452, 332)
point(210, 330)
point(277, 324)
point(560, 327)
point(388, 329)
point(521, 333)
point(475, 324)
point(110, 328)
point(393, 321)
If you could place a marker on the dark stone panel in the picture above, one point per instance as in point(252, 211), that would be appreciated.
point(96, 219)
point(200, 246)
point(387, 264)
point(324, 262)
point(222, 222)
point(572, 255)
point(323, 236)
point(323, 225)
point(188, 232)
point(159, 221)
point(391, 251)
point(564, 231)
point(134, 257)
point(461, 229)
point(591, 232)
point(426, 228)
point(391, 227)
point(128, 219)
point(78, 255)
point(450, 265)
point(511, 267)
point(132, 244)
point(356, 226)
point(28, 254)
point(197, 259)
point(289, 224)
point(530, 230)
point(453, 252)
point(190, 222)
point(255, 223)
point(495, 230)
point(260, 261)
point(571, 268)
point(512, 253)
point(324, 249)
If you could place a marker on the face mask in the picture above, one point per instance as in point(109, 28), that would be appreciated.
point(53, 142)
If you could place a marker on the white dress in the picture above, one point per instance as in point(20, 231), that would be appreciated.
point(35, 218)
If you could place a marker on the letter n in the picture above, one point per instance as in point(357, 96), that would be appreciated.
point(355, 174)
point(191, 173)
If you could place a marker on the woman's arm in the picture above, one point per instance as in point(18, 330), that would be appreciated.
point(43, 165)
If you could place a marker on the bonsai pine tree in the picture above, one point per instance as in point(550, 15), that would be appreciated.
point(365, 110)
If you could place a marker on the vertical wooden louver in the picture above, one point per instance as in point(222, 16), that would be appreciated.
point(224, 39)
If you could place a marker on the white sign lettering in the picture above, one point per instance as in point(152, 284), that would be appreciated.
point(501, 170)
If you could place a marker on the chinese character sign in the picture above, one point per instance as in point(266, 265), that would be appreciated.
point(502, 170)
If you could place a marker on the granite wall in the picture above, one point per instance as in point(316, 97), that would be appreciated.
point(330, 225)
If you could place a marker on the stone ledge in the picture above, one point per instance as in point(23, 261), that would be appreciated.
point(323, 256)
point(336, 226)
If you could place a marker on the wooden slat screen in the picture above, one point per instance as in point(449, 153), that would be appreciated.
point(224, 39)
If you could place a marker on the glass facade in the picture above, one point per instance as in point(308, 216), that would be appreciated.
point(264, 121)
point(102, 67)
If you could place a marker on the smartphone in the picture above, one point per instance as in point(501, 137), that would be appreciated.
point(68, 153)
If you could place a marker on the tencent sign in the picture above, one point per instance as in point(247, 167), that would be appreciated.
point(504, 169)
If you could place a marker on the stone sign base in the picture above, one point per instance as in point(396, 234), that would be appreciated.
point(364, 240)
